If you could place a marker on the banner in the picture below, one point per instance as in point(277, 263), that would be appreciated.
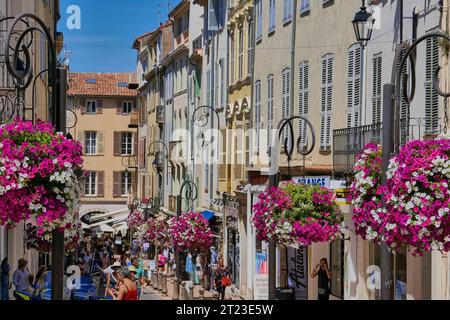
point(298, 271)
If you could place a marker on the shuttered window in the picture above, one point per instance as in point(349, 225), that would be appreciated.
point(90, 184)
point(286, 102)
point(270, 114)
point(232, 57)
point(404, 109)
point(303, 100)
point(126, 143)
point(241, 55)
point(354, 86)
point(101, 184)
point(377, 63)
point(258, 113)
point(91, 106)
point(287, 10)
point(326, 101)
point(259, 14)
point(431, 95)
point(125, 183)
point(90, 138)
point(271, 16)
point(250, 48)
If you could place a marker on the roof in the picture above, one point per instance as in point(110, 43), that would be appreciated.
point(101, 84)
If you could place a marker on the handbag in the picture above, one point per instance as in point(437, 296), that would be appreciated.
point(226, 282)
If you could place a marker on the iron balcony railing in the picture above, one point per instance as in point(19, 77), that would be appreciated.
point(349, 142)
point(197, 43)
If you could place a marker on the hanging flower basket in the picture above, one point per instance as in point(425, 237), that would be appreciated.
point(190, 231)
point(366, 194)
point(136, 218)
point(40, 173)
point(41, 241)
point(297, 214)
point(418, 200)
point(157, 232)
point(416, 195)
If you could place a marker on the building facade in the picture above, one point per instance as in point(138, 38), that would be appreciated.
point(106, 114)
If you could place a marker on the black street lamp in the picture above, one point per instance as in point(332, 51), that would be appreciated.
point(363, 24)
point(159, 156)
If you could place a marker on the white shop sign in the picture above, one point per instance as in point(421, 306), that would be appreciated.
point(323, 181)
point(261, 287)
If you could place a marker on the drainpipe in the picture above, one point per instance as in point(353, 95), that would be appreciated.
point(191, 123)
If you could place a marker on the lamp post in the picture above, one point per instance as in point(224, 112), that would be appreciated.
point(274, 178)
point(191, 195)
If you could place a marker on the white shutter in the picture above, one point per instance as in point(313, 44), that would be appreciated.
point(303, 89)
point(354, 86)
point(269, 109)
point(258, 113)
point(376, 89)
point(327, 103)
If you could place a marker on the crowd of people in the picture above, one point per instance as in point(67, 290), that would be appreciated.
point(120, 271)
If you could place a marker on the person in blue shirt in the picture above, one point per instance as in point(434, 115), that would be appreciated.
point(21, 277)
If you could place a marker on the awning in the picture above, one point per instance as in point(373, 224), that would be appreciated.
point(208, 214)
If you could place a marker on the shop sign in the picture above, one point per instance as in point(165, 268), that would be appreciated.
point(322, 181)
point(298, 271)
point(261, 287)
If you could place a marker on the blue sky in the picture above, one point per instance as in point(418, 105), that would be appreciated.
point(108, 29)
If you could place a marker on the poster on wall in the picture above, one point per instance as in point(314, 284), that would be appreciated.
point(261, 287)
point(298, 271)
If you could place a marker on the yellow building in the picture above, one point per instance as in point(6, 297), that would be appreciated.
point(240, 33)
point(105, 110)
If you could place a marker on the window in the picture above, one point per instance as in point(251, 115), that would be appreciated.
point(286, 102)
point(303, 101)
point(269, 109)
point(337, 268)
point(354, 86)
point(127, 143)
point(431, 96)
point(223, 95)
point(250, 49)
point(259, 20)
point(304, 6)
point(258, 112)
point(90, 139)
point(125, 185)
point(287, 10)
point(271, 16)
point(91, 106)
point(127, 106)
point(377, 63)
point(326, 101)
point(90, 184)
point(241, 54)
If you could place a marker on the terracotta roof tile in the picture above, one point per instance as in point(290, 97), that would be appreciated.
point(106, 84)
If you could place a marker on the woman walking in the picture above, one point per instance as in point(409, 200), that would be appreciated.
point(222, 279)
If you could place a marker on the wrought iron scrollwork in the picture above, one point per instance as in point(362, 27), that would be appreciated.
point(160, 152)
point(191, 192)
point(203, 120)
point(401, 79)
point(289, 141)
point(19, 74)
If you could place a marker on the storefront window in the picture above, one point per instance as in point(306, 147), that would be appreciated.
point(337, 268)
point(373, 272)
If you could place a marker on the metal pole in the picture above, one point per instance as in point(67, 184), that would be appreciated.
point(176, 289)
point(272, 263)
point(388, 150)
point(224, 227)
point(57, 235)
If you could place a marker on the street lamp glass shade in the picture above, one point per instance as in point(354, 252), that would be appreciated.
point(158, 163)
point(363, 24)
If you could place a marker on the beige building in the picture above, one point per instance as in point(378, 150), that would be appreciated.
point(105, 110)
point(11, 241)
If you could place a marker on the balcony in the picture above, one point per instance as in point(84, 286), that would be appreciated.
point(160, 114)
point(349, 142)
